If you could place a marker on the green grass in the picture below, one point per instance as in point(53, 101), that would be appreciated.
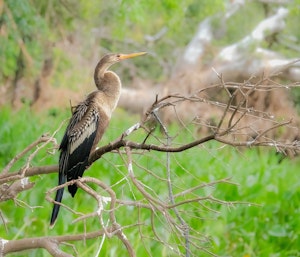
point(265, 223)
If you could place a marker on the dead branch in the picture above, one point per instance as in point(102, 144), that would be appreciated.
point(49, 243)
point(235, 126)
point(11, 191)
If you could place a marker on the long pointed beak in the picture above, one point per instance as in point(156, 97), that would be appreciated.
point(127, 56)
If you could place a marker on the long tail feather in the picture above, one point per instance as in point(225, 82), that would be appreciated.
point(58, 197)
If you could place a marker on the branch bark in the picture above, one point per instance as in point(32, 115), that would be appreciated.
point(50, 243)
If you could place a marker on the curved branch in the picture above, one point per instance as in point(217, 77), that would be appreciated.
point(137, 146)
point(8, 246)
point(33, 171)
point(98, 154)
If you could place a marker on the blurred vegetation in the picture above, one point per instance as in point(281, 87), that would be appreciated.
point(31, 31)
point(267, 227)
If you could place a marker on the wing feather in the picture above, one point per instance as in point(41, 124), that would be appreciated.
point(78, 142)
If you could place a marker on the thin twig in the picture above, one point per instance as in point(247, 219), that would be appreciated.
point(184, 226)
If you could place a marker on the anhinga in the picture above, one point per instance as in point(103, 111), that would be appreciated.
point(87, 125)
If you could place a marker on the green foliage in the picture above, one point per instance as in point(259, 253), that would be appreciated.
point(22, 29)
point(31, 27)
point(129, 25)
point(124, 26)
point(28, 30)
point(265, 223)
point(247, 18)
point(18, 125)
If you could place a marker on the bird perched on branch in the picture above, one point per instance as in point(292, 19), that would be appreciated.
point(87, 125)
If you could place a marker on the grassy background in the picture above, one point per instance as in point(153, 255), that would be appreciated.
point(268, 227)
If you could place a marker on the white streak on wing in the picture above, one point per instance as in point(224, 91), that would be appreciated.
point(86, 133)
point(64, 163)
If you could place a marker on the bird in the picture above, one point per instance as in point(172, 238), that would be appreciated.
point(87, 125)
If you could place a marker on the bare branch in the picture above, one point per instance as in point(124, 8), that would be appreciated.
point(49, 243)
point(235, 125)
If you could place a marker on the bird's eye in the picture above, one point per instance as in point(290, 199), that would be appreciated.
point(118, 55)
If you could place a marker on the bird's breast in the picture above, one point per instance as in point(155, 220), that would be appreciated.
point(107, 103)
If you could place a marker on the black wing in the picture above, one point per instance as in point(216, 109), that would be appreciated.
point(75, 149)
point(77, 143)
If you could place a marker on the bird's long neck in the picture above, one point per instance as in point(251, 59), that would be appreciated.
point(100, 70)
point(108, 83)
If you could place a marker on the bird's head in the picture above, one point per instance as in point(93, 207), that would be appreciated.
point(110, 59)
